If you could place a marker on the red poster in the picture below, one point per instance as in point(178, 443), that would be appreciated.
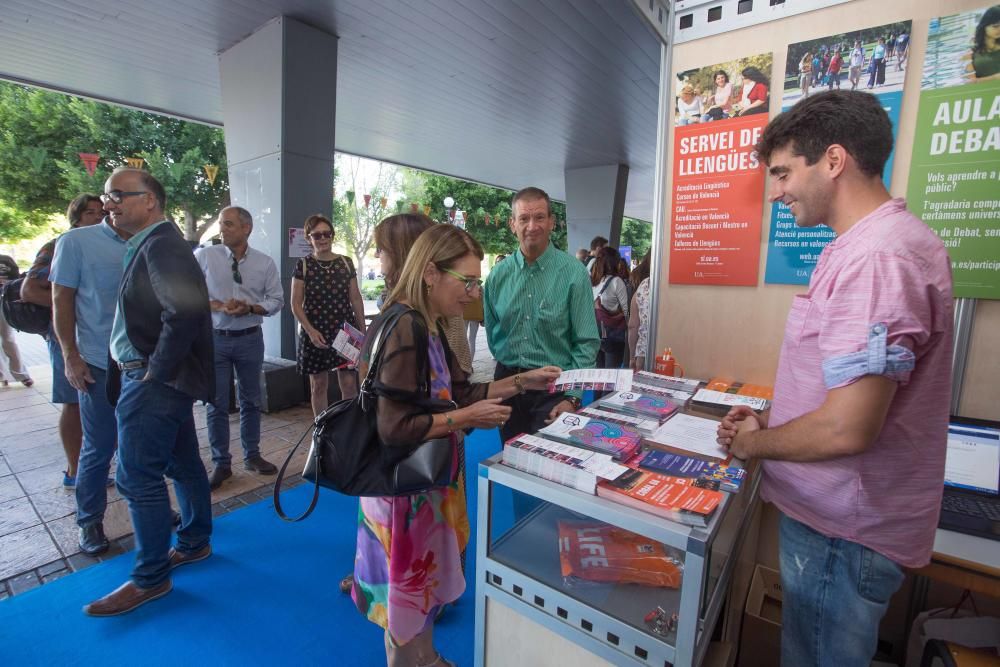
point(717, 202)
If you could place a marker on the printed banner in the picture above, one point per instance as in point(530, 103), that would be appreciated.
point(718, 184)
point(872, 59)
point(954, 181)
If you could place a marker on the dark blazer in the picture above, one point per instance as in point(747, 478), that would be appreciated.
point(168, 319)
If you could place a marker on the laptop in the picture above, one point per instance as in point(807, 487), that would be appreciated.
point(971, 502)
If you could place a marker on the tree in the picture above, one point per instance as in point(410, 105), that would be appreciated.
point(354, 219)
point(638, 234)
point(479, 201)
point(42, 134)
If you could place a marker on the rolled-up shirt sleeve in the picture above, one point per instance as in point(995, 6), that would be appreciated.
point(883, 310)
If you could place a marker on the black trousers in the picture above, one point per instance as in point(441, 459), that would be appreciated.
point(528, 410)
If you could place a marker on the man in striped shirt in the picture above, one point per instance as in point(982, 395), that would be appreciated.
point(539, 311)
point(855, 444)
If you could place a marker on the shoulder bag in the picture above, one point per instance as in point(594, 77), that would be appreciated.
point(613, 325)
point(347, 454)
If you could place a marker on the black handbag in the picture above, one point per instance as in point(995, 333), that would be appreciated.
point(347, 454)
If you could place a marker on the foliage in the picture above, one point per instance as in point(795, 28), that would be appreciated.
point(478, 201)
point(42, 134)
point(637, 234)
point(370, 289)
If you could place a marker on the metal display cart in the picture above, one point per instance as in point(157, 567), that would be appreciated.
point(517, 565)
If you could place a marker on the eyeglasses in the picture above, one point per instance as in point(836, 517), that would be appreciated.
point(470, 283)
point(320, 235)
point(117, 196)
point(237, 278)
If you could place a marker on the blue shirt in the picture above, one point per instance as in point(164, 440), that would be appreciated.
point(89, 260)
point(121, 347)
point(261, 285)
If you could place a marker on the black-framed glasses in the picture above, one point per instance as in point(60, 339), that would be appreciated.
point(237, 278)
point(117, 195)
point(470, 283)
point(320, 235)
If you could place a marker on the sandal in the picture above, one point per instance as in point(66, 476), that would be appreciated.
point(28, 382)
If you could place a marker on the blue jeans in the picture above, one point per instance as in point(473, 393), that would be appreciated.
point(156, 438)
point(835, 592)
point(245, 355)
point(100, 437)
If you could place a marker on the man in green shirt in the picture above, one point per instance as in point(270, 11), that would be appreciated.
point(539, 311)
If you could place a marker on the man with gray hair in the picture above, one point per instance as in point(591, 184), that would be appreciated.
point(243, 288)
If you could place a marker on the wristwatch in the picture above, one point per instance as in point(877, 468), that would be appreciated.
point(574, 400)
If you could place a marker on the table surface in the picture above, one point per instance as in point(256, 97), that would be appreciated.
point(969, 551)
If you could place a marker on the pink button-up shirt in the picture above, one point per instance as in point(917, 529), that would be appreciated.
point(879, 303)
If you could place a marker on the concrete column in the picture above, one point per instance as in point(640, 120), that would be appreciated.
point(279, 105)
point(595, 202)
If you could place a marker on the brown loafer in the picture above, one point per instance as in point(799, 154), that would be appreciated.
point(178, 558)
point(125, 598)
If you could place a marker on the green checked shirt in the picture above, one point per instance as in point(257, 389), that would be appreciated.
point(541, 314)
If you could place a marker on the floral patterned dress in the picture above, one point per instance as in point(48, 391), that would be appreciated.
point(407, 563)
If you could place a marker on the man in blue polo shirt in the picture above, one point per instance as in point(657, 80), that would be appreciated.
point(243, 288)
point(85, 275)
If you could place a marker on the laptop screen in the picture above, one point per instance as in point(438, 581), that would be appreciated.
point(973, 459)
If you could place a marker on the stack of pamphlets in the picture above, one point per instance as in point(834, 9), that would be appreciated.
point(677, 389)
point(557, 462)
point(620, 441)
point(673, 498)
point(707, 475)
point(643, 425)
point(721, 402)
point(637, 404)
point(690, 436)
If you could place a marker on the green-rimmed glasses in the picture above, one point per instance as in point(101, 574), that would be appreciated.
point(470, 283)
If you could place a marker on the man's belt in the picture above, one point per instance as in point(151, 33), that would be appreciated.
point(236, 333)
point(132, 365)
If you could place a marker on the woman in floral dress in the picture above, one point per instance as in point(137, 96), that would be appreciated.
point(407, 563)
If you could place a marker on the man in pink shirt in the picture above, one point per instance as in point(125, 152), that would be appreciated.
point(855, 444)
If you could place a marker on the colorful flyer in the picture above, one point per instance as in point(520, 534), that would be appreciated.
point(954, 181)
point(872, 59)
point(718, 185)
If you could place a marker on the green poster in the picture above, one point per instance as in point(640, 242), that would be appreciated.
point(954, 183)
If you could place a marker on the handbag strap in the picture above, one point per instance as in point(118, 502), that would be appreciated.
point(597, 299)
point(281, 476)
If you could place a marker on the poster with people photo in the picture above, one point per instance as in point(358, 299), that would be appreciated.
point(955, 169)
point(718, 193)
point(870, 59)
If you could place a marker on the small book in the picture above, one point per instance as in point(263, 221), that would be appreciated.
point(641, 424)
point(721, 401)
point(690, 436)
point(674, 498)
point(687, 385)
point(639, 404)
point(560, 463)
point(678, 396)
point(711, 475)
point(620, 441)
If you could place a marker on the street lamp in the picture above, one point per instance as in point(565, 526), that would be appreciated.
point(449, 204)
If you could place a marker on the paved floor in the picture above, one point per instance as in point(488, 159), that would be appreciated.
point(38, 533)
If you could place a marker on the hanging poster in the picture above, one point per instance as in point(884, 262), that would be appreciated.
point(298, 243)
point(718, 186)
point(871, 59)
point(954, 181)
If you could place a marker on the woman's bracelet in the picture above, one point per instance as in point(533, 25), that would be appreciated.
point(518, 384)
point(449, 422)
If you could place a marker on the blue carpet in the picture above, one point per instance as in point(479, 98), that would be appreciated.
point(268, 595)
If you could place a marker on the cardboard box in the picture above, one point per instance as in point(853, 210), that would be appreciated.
point(760, 640)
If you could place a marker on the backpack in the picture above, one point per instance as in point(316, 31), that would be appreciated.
point(23, 316)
